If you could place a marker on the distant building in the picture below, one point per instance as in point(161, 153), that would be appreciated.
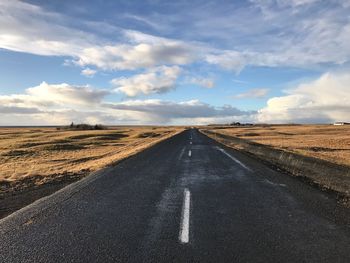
point(341, 123)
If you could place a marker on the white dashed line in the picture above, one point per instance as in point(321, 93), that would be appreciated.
point(189, 153)
point(275, 184)
point(190, 142)
point(182, 153)
point(185, 219)
point(234, 159)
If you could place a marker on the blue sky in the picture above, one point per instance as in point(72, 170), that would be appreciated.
point(174, 62)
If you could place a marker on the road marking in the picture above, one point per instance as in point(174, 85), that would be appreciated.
point(182, 153)
point(190, 142)
point(189, 153)
point(234, 159)
point(185, 218)
point(275, 184)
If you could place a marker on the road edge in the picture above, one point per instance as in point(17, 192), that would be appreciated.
point(311, 170)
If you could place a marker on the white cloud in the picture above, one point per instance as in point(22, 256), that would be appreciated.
point(229, 60)
point(48, 104)
point(281, 35)
point(67, 94)
point(203, 82)
point(45, 96)
point(130, 57)
point(53, 104)
point(88, 72)
point(288, 38)
point(253, 93)
point(240, 81)
point(155, 80)
point(326, 99)
point(28, 28)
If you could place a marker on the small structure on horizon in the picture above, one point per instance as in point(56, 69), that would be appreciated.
point(241, 124)
point(341, 123)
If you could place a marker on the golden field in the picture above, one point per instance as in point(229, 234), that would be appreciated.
point(44, 154)
point(327, 142)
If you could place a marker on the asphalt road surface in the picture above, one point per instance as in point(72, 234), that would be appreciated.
point(187, 199)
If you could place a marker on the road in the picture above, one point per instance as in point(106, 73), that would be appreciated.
point(187, 199)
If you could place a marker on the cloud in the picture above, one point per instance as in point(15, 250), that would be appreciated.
point(140, 55)
point(18, 110)
point(54, 104)
point(253, 93)
point(155, 80)
point(88, 72)
point(52, 95)
point(285, 38)
point(326, 99)
point(168, 111)
point(203, 82)
point(67, 94)
point(60, 117)
point(240, 81)
point(229, 60)
point(272, 9)
point(270, 4)
point(29, 28)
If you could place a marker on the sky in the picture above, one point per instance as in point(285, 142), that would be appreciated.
point(174, 62)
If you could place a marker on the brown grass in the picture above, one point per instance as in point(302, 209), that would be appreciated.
point(40, 155)
point(327, 142)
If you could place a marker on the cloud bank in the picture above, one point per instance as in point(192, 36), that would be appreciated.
point(324, 100)
point(62, 103)
point(54, 34)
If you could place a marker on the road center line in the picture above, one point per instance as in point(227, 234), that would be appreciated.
point(234, 159)
point(189, 153)
point(190, 142)
point(182, 153)
point(185, 218)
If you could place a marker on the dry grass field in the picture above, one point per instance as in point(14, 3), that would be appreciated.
point(327, 142)
point(35, 162)
point(44, 153)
